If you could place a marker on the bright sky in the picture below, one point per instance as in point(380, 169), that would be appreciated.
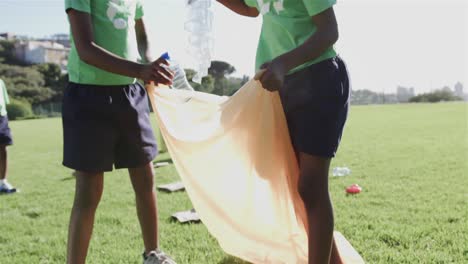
point(414, 43)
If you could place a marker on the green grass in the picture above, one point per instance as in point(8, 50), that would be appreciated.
point(411, 160)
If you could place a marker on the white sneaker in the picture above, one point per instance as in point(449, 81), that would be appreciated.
point(6, 187)
point(157, 257)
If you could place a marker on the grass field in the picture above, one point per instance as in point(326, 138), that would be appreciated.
point(411, 160)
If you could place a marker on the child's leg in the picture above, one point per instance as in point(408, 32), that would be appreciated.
point(335, 257)
point(316, 101)
point(88, 193)
point(143, 185)
point(3, 162)
point(5, 141)
point(313, 188)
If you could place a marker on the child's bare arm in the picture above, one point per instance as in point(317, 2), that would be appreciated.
point(324, 37)
point(93, 54)
point(240, 7)
point(142, 41)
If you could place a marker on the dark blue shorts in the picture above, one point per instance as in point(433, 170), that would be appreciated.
point(105, 126)
point(5, 134)
point(316, 101)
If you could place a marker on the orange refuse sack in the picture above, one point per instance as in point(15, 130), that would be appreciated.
point(239, 169)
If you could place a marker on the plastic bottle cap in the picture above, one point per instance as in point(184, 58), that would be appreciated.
point(166, 56)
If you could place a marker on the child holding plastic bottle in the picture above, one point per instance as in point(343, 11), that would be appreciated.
point(296, 52)
point(106, 116)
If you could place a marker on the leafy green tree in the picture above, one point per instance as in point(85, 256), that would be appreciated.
point(51, 73)
point(234, 84)
point(207, 82)
point(434, 97)
point(54, 79)
point(16, 74)
point(363, 97)
point(26, 83)
point(219, 70)
point(19, 109)
point(7, 54)
point(34, 95)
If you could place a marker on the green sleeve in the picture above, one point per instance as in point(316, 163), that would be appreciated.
point(79, 5)
point(5, 95)
point(139, 9)
point(315, 7)
point(251, 3)
point(5, 92)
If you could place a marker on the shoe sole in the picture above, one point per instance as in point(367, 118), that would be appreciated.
point(2, 192)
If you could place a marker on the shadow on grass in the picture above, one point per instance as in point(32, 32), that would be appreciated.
point(71, 177)
point(163, 160)
point(67, 178)
point(32, 214)
point(232, 260)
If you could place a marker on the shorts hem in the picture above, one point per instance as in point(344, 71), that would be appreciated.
point(318, 153)
point(80, 168)
point(149, 158)
point(8, 143)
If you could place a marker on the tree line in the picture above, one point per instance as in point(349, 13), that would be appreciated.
point(365, 97)
point(33, 86)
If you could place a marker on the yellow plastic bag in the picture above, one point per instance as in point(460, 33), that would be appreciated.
point(236, 161)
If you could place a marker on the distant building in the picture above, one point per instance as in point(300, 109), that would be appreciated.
point(37, 52)
point(63, 39)
point(7, 36)
point(403, 94)
point(459, 90)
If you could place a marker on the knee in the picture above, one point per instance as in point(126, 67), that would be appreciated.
point(88, 197)
point(144, 194)
point(3, 152)
point(313, 192)
point(87, 200)
point(143, 183)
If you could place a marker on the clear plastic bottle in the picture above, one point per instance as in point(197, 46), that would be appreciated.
point(341, 171)
point(199, 23)
point(180, 81)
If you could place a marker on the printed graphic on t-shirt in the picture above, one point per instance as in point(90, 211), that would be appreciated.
point(265, 6)
point(119, 12)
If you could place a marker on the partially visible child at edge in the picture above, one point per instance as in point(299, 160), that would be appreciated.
point(5, 140)
point(106, 116)
point(296, 50)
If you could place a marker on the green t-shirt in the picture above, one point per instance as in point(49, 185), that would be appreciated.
point(113, 24)
point(287, 24)
point(4, 100)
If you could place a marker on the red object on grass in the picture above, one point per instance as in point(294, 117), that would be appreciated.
point(353, 189)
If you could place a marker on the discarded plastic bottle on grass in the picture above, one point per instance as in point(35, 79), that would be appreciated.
point(341, 171)
point(179, 81)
